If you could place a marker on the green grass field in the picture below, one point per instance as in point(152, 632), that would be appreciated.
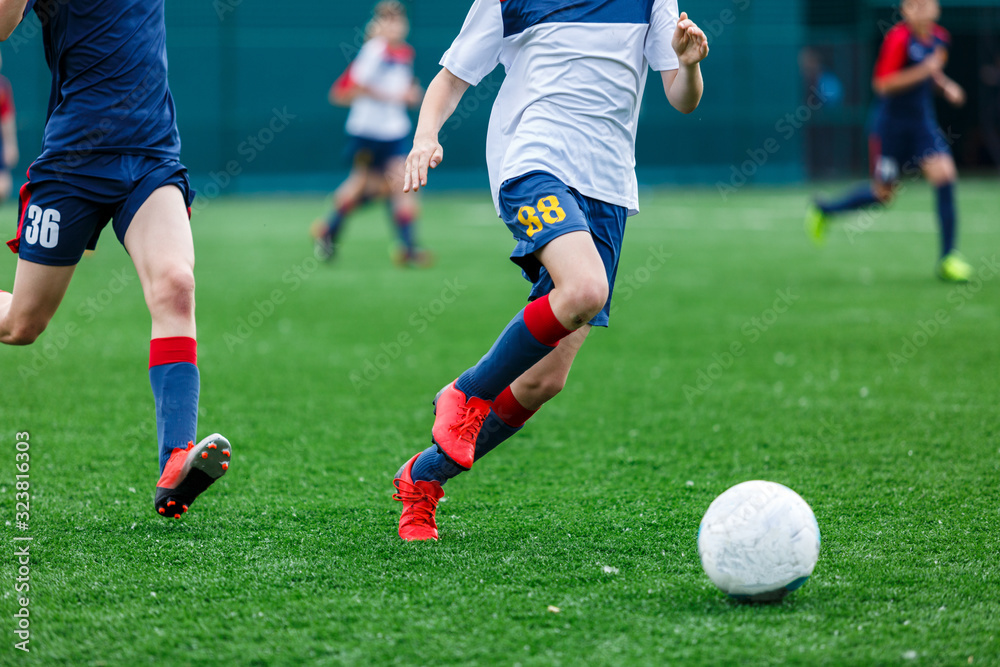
point(322, 377)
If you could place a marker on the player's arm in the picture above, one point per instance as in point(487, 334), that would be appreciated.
point(8, 129)
point(684, 85)
point(952, 91)
point(11, 13)
point(891, 78)
point(442, 97)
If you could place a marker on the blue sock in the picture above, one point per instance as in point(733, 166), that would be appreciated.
point(946, 216)
point(432, 465)
point(335, 223)
point(175, 389)
point(404, 228)
point(493, 432)
point(515, 351)
point(860, 197)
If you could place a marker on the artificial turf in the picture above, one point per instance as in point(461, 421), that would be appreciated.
point(575, 542)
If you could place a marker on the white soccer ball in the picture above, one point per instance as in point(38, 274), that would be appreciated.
point(758, 541)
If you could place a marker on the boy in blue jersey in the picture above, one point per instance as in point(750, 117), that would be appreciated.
point(111, 151)
point(905, 135)
point(561, 154)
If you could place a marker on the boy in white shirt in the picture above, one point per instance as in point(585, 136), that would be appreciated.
point(561, 158)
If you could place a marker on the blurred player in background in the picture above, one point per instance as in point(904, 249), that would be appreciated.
point(905, 137)
point(8, 137)
point(110, 150)
point(379, 87)
point(561, 157)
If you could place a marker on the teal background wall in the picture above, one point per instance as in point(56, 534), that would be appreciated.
point(245, 69)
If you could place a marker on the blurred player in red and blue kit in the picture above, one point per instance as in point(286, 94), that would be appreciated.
point(111, 151)
point(378, 86)
point(905, 136)
point(8, 137)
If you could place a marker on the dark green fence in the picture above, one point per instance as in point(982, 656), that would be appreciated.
point(250, 79)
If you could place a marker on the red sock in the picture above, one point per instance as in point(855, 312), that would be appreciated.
point(508, 409)
point(542, 322)
point(176, 349)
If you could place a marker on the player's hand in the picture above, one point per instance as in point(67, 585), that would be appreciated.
point(414, 94)
point(689, 41)
point(954, 93)
point(935, 61)
point(426, 154)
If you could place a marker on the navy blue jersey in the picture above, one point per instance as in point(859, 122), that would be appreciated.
point(901, 49)
point(109, 78)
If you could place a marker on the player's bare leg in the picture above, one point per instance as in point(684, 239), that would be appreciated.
point(580, 292)
point(581, 283)
point(543, 381)
point(160, 243)
point(819, 213)
point(38, 290)
point(939, 170)
point(404, 207)
point(348, 196)
point(162, 249)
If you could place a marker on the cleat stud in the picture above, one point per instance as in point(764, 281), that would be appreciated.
point(184, 507)
point(177, 516)
point(204, 455)
point(212, 446)
point(170, 503)
point(225, 466)
point(227, 452)
point(162, 511)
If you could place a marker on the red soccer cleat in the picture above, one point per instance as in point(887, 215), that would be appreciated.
point(419, 500)
point(188, 473)
point(457, 422)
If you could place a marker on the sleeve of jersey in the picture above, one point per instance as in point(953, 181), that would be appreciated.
point(476, 51)
point(6, 102)
point(942, 36)
point(892, 55)
point(662, 23)
point(365, 66)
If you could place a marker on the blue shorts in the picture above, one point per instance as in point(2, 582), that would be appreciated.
point(375, 154)
point(63, 210)
point(537, 207)
point(899, 147)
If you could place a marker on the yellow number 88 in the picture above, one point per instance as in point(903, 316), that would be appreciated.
point(549, 209)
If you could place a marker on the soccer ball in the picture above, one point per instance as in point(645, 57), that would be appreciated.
point(758, 541)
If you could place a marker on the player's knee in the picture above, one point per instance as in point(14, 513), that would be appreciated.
point(586, 298)
point(25, 332)
point(173, 292)
point(945, 175)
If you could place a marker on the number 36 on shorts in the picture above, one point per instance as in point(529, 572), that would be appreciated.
point(548, 210)
point(43, 227)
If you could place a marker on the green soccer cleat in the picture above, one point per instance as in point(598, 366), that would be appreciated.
point(954, 269)
point(816, 224)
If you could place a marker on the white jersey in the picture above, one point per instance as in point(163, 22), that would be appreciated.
point(575, 76)
point(389, 72)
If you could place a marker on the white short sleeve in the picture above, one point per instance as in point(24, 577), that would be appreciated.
point(476, 51)
point(366, 64)
point(662, 24)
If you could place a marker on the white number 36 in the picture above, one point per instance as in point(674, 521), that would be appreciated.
point(44, 228)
